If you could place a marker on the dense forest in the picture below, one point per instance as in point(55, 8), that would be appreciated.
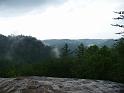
point(26, 56)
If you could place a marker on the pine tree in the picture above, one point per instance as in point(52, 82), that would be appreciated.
point(80, 52)
point(121, 17)
point(65, 51)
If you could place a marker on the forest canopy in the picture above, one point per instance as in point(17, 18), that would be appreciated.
point(26, 56)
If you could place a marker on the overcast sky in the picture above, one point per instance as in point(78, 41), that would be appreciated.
point(59, 19)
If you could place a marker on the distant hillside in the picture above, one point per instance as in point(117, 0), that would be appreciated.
point(74, 43)
point(20, 48)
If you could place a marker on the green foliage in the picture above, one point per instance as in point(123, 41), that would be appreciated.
point(23, 49)
point(80, 52)
point(119, 65)
point(65, 51)
point(120, 17)
point(27, 56)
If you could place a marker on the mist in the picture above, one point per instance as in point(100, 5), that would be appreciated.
point(55, 52)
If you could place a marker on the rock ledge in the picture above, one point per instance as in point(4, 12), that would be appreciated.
point(36, 84)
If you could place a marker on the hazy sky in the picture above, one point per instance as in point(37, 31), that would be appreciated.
point(57, 19)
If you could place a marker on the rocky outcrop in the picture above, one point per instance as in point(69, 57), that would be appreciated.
point(57, 85)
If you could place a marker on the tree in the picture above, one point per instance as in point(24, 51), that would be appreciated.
point(80, 51)
point(3, 46)
point(104, 51)
point(119, 65)
point(119, 47)
point(121, 17)
point(93, 50)
point(65, 51)
point(29, 49)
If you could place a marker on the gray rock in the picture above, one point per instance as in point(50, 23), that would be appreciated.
point(36, 84)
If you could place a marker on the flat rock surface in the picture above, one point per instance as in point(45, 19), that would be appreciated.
point(57, 85)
